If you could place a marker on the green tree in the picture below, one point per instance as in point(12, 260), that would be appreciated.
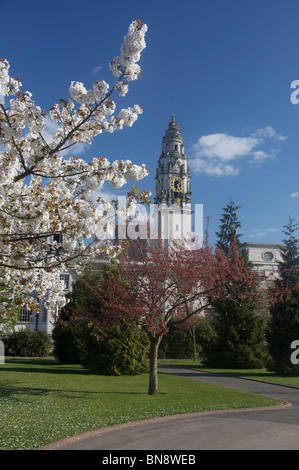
point(283, 326)
point(80, 295)
point(124, 351)
point(68, 332)
point(229, 226)
point(233, 336)
point(84, 333)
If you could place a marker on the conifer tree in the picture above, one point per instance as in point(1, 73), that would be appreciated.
point(283, 327)
point(229, 226)
point(234, 335)
point(99, 328)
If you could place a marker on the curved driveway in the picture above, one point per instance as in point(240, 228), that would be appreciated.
point(258, 429)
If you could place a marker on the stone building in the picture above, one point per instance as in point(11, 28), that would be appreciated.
point(264, 257)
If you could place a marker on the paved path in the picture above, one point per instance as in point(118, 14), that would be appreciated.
point(262, 429)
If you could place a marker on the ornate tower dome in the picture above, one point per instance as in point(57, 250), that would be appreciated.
point(173, 194)
point(173, 176)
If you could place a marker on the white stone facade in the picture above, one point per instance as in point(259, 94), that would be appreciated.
point(265, 258)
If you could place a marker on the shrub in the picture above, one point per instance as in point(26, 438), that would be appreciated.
point(110, 349)
point(67, 343)
point(27, 343)
point(233, 339)
point(122, 352)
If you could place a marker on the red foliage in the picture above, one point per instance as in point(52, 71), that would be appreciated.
point(114, 304)
point(171, 281)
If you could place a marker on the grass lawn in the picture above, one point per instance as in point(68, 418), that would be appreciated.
point(255, 374)
point(42, 401)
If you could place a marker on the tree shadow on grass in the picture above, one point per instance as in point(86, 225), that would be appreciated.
point(40, 365)
point(19, 394)
point(50, 366)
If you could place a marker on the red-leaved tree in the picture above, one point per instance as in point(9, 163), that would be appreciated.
point(168, 285)
point(171, 284)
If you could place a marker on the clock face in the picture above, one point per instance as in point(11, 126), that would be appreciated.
point(177, 184)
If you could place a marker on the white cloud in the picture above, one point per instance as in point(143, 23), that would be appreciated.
point(269, 133)
point(259, 156)
point(263, 232)
point(105, 194)
point(96, 69)
point(212, 153)
point(223, 147)
point(212, 168)
point(50, 128)
point(296, 194)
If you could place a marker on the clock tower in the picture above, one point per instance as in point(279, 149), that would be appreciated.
point(173, 194)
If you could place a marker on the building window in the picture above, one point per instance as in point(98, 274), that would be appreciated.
point(45, 315)
point(25, 314)
point(66, 279)
point(268, 256)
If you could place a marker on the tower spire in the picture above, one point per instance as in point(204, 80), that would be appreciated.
point(173, 193)
point(173, 166)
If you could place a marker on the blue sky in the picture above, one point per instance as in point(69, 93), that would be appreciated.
point(223, 67)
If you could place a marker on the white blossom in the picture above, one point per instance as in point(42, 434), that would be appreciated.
point(43, 194)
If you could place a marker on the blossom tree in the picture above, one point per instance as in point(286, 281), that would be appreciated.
point(47, 218)
point(172, 284)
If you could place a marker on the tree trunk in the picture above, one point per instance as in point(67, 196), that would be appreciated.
point(153, 373)
point(194, 344)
